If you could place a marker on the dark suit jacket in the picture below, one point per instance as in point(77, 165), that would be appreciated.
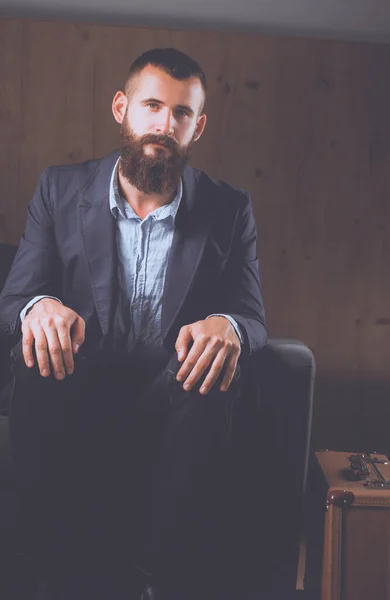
point(68, 250)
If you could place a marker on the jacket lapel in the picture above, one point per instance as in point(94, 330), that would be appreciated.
point(189, 240)
point(98, 231)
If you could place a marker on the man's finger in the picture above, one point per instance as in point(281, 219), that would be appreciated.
point(66, 348)
point(197, 349)
point(27, 344)
point(55, 351)
point(214, 372)
point(77, 333)
point(41, 349)
point(231, 366)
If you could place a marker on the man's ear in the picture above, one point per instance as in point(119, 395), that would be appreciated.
point(119, 105)
point(200, 125)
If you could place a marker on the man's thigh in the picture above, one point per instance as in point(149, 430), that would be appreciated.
point(72, 445)
point(74, 431)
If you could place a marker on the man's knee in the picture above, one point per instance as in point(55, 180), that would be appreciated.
point(35, 400)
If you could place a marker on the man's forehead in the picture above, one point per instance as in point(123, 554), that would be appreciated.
point(154, 82)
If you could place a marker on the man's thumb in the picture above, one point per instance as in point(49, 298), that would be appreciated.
point(182, 342)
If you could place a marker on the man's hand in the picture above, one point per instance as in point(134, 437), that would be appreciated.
point(215, 343)
point(58, 332)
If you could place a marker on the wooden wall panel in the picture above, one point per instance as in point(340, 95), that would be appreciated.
point(11, 57)
point(303, 125)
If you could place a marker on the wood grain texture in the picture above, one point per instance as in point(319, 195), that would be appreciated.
point(303, 125)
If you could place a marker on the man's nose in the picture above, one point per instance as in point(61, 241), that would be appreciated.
point(165, 124)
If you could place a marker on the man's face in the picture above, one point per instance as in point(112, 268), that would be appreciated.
point(160, 121)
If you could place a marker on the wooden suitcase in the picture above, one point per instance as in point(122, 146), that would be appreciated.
point(348, 531)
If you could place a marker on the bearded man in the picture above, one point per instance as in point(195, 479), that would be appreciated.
point(136, 293)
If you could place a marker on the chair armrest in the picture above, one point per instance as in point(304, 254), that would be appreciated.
point(282, 374)
point(284, 378)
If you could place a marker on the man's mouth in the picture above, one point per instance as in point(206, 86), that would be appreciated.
point(161, 144)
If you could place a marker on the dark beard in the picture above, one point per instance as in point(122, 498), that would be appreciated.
point(158, 174)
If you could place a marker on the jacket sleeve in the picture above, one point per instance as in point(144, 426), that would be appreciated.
point(242, 287)
point(33, 272)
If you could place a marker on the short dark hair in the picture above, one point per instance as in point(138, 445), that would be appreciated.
point(174, 62)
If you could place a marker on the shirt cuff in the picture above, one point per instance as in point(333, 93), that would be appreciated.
point(30, 304)
point(233, 322)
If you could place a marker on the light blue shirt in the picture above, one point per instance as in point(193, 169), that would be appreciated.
point(143, 247)
point(143, 251)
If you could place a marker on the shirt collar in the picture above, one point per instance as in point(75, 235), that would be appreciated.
point(119, 206)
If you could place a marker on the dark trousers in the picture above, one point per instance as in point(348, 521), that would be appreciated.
point(106, 483)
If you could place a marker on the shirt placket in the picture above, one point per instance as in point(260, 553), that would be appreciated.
point(140, 276)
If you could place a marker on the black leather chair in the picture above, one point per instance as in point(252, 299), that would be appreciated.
point(272, 434)
point(7, 253)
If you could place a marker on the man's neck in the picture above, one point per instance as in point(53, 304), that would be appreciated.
point(141, 203)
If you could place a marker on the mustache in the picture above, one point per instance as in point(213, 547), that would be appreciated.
point(164, 140)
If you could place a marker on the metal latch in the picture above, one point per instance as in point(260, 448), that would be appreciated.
point(360, 470)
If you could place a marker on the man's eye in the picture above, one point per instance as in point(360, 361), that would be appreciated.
point(182, 113)
point(152, 105)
